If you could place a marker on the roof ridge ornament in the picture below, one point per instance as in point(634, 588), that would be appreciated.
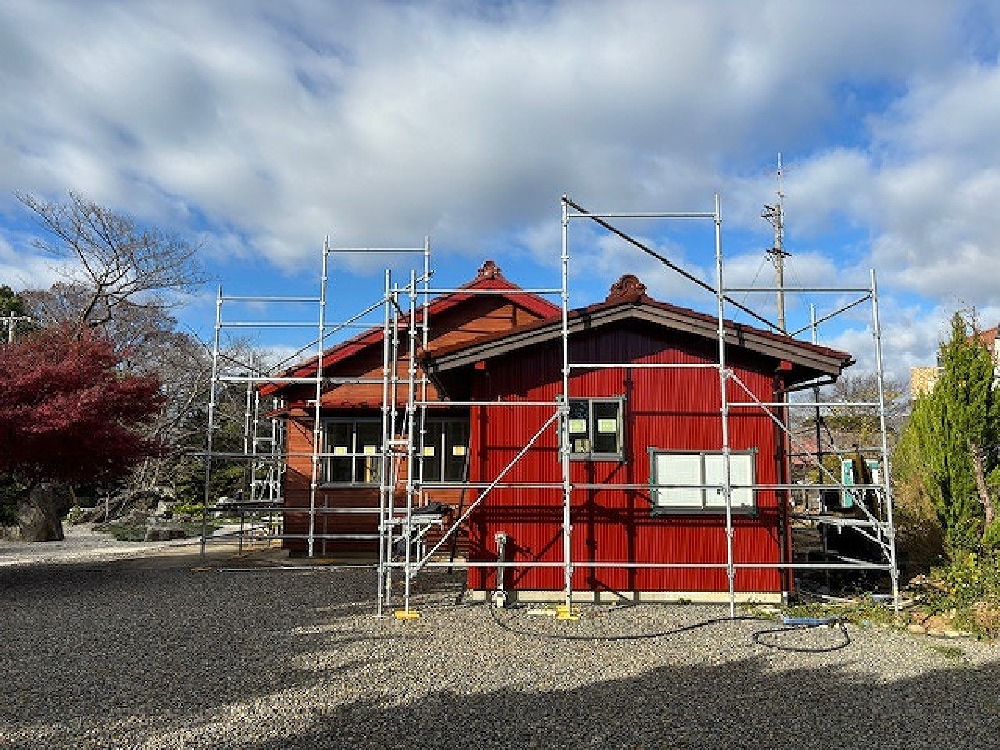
point(489, 270)
point(627, 287)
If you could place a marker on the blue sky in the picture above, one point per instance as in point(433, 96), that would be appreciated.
point(257, 128)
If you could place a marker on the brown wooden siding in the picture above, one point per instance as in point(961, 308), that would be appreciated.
point(474, 318)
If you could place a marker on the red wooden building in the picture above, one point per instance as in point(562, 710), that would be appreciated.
point(638, 451)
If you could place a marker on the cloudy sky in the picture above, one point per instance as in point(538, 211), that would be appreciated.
point(257, 128)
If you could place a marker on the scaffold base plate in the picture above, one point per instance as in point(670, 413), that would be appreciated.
point(567, 612)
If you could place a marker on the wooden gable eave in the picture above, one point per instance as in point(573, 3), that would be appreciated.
point(809, 360)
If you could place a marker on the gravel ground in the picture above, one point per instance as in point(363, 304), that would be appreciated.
point(158, 652)
point(82, 543)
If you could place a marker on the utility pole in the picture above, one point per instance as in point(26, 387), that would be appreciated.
point(775, 216)
point(12, 320)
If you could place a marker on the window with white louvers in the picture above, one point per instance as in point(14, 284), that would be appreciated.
point(694, 481)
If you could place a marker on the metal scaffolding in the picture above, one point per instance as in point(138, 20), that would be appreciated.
point(265, 451)
point(402, 532)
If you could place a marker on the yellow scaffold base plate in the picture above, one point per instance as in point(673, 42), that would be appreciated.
point(567, 612)
point(402, 614)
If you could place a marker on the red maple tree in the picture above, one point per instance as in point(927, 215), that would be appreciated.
point(68, 413)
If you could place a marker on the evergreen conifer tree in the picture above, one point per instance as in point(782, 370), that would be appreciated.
point(953, 431)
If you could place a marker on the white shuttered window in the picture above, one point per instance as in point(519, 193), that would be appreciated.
point(696, 480)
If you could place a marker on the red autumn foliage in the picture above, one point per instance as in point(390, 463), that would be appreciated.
point(67, 413)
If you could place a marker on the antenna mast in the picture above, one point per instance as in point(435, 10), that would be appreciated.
point(775, 216)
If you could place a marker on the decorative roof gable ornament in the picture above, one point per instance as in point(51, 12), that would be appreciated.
point(628, 287)
point(489, 270)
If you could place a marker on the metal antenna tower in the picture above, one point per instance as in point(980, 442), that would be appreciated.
point(775, 216)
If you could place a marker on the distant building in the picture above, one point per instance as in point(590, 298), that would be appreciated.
point(922, 379)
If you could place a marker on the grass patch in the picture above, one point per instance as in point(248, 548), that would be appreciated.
point(953, 653)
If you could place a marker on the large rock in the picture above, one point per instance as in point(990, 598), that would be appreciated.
point(38, 516)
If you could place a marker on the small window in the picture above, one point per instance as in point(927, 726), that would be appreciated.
point(595, 429)
point(353, 450)
point(696, 481)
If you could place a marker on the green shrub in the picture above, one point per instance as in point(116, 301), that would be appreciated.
point(991, 537)
point(968, 578)
point(966, 589)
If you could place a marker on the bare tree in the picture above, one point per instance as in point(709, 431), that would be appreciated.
point(120, 261)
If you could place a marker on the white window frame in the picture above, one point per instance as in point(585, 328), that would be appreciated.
point(701, 479)
point(580, 447)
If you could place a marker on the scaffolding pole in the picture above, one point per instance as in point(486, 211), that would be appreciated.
point(384, 550)
point(727, 490)
point(564, 443)
point(317, 430)
point(890, 529)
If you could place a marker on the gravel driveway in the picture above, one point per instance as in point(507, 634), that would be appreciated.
point(152, 653)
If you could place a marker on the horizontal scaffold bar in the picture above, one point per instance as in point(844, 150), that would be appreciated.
point(288, 510)
point(233, 298)
point(388, 250)
point(356, 537)
point(651, 566)
point(494, 565)
point(830, 451)
point(747, 289)
point(809, 404)
point(333, 327)
point(267, 324)
point(839, 521)
point(445, 404)
point(324, 378)
point(633, 215)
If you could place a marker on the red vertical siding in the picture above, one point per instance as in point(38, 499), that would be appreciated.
point(668, 409)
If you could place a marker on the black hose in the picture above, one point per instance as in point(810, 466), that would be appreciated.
point(755, 637)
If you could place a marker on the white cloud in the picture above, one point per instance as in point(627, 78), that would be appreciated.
point(939, 185)
point(417, 119)
point(20, 270)
point(261, 127)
